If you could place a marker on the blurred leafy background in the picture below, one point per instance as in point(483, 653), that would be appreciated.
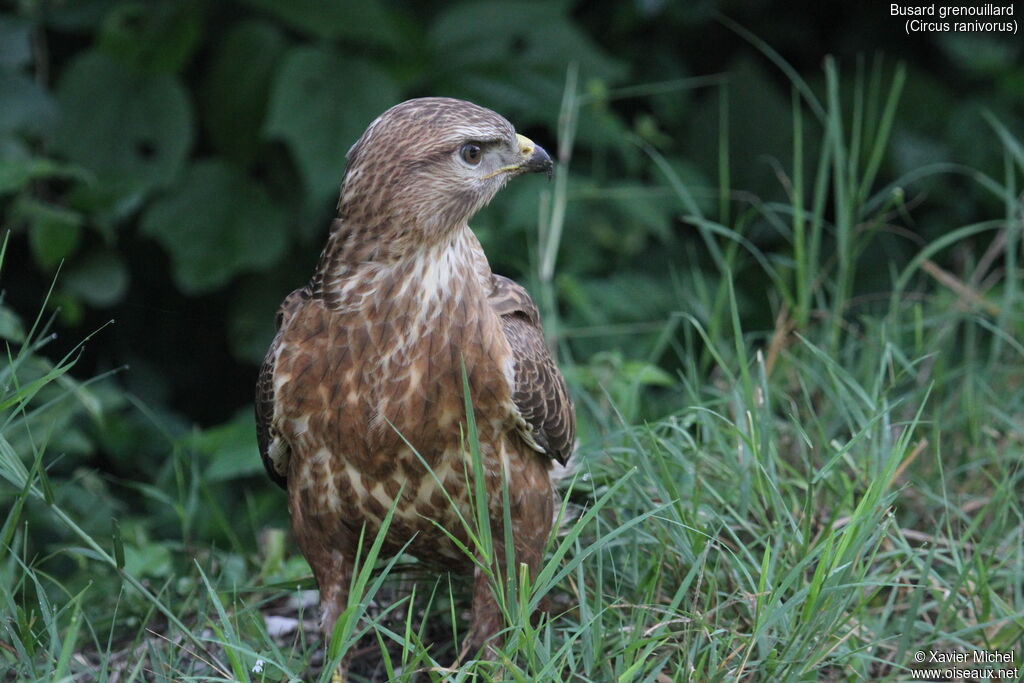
point(178, 161)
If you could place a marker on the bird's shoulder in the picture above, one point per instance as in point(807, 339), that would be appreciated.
point(274, 449)
point(545, 415)
point(509, 298)
point(296, 301)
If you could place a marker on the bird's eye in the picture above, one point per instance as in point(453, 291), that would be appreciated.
point(471, 153)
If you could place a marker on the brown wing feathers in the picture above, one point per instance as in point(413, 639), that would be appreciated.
point(273, 449)
point(264, 416)
point(540, 393)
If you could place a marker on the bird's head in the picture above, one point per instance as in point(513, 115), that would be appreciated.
point(424, 167)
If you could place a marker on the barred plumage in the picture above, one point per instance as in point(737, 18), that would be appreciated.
point(368, 359)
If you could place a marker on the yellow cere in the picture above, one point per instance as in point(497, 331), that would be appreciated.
point(526, 147)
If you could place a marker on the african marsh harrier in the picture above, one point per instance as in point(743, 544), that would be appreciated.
point(367, 364)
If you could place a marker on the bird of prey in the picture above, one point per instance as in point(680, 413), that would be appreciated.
point(360, 401)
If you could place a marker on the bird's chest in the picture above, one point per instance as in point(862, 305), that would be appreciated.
point(377, 400)
point(405, 367)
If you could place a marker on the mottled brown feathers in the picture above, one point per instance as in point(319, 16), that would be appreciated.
point(540, 393)
point(359, 402)
point(273, 449)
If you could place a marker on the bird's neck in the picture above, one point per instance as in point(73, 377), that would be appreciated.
point(356, 268)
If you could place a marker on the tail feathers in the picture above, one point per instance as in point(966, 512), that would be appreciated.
point(559, 472)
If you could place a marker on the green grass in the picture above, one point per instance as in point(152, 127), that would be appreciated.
point(821, 500)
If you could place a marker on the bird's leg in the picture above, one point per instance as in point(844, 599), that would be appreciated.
point(485, 619)
point(530, 533)
point(334, 581)
point(530, 505)
point(332, 603)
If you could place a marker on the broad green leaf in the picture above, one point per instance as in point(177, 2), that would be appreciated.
point(17, 170)
point(154, 36)
point(80, 16)
point(512, 56)
point(229, 448)
point(72, 309)
point(321, 103)
point(152, 560)
point(26, 105)
point(216, 224)
point(125, 124)
point(362, 21)
point(237, 86)
point(108, 204)
point(536, 34)
point(15, 45)
point(100, 278)
point(54, 231)
point(527, 97)
point(11, 327)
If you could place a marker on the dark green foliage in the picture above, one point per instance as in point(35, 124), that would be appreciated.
point(235, 89)
point(322, 101)
point(721, 197)
point(131, 127)
point(216, 134)
point(216, 223)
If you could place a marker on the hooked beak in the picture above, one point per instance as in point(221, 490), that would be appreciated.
point(535, 159)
